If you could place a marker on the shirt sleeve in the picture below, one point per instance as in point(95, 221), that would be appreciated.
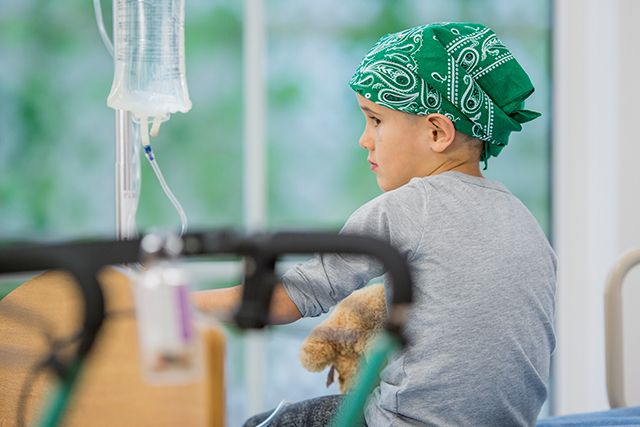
point(397, 217)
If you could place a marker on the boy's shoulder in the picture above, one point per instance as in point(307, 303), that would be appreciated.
point(416, 193)
point(450, 180)
point(459, 180)
point(412, 192)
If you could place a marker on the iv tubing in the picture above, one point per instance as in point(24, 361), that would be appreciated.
point(144, 133)
point(157, 121)
point(275, 412)
point(144, 136)
point(127, 174)
point(103, 31)
point(130, 221)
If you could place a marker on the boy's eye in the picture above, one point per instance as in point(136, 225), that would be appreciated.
point(375, 120)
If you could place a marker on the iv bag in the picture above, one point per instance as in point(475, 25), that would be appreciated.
point(149, 78)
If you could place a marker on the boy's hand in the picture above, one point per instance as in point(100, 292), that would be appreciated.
point(283, 310)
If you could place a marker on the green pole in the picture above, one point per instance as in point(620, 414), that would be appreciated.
point(353, 411)
point(58, 403)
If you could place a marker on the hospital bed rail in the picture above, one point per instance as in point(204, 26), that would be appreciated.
point(85, 259)
point(614, 336)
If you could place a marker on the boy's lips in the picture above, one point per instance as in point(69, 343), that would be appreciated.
point(374, 166)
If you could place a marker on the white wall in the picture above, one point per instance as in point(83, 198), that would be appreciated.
point(596, 183)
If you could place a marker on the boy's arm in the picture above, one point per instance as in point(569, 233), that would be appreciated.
point(282, 310)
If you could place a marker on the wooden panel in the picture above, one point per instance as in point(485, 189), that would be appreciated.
point(111, 391)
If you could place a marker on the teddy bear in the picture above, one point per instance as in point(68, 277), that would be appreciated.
point(342, 339)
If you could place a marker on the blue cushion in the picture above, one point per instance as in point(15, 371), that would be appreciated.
point(616, 417)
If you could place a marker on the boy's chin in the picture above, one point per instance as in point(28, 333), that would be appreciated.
point(382, 184)
point(387, 186)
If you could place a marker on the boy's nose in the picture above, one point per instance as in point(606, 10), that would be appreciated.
point(365, 141)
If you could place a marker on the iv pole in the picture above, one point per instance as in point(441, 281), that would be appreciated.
point(124, 178)
point(125, 191)
point(126, 197)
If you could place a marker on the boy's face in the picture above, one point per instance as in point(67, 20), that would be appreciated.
point(397, 144)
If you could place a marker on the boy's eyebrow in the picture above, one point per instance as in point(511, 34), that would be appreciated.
point(368, 110)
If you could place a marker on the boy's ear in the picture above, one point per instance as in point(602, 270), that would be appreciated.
point(441, 132)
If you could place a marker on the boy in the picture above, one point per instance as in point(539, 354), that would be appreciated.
point(438, 100)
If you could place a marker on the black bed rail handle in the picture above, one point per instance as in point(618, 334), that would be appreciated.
point(262, 250)
point(84, 260)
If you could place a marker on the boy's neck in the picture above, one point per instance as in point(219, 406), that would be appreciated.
point(469, 168)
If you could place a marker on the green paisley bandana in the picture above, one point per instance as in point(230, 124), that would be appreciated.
point(460, 70)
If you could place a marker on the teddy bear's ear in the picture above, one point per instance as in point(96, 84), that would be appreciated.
point(315, 354)
point(333, 376)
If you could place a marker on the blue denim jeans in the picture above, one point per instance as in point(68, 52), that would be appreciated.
point(318, 412)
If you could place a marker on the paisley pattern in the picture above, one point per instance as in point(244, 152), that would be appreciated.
point(460, 70)
point(389, 71)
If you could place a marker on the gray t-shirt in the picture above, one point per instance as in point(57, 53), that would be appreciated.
point(481, 324)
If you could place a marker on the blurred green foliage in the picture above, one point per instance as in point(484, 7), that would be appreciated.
point(57, 137)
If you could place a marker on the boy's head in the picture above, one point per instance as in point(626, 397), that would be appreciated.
point(460, 71)
point(403, 146)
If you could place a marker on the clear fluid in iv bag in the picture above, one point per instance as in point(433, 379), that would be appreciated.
point(149, 77)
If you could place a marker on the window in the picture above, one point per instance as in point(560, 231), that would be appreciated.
point(57, 136)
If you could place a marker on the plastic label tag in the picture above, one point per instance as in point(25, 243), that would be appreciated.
point(169, 347)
